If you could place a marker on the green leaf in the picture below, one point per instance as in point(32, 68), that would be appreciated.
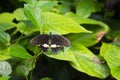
point(5, 68)
point(4, 78)
point(86, 39)
point(61, 24)
point(26, 27)
point(6, 17)
point(81, 20)
point(46, 78)
point(4, 54)
point(86, 7)
point(4, 38)
point(29, 63)
point(34, 14)
point(47, 5)
point(6, 25)
point(19, 51)
point(19, 14)
point(22, 70)
point(98, 28)
point(83, 60)
point(30, 1)
point(6, 21)
point(111, 54)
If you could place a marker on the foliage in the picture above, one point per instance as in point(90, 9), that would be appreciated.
point(18, 57)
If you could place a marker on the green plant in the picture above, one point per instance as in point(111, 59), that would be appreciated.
point(38, 17)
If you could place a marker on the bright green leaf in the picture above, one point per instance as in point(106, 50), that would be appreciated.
point(4, 78)
point(34, 14)
point(5, 68)
point(4, 54)
point(82, 59)
point(61, 24)
point(6, 17)
point(19, 51)
point(19, 14)
point(111, 54)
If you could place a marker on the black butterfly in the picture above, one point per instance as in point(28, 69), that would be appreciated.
point(49, 41)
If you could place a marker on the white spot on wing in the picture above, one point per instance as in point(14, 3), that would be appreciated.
point(54, 46)
point(45, 45)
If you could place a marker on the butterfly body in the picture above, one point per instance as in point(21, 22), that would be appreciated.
point(49, 41)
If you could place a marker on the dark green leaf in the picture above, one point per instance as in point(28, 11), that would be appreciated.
point(4, 38)
point(47, 5)
point(29, 63)
point(22, 70)
point(86, 7)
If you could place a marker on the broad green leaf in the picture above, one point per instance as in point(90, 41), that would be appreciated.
point(111, 55)
point(6, 17)
point(6, 21)
point(86, 39)
point(86, 7)
point(98, 28)
point(61, 24)
point(6, 25)
point(22, 70)
point(81, 20)
point(82, 59)
point(66, 55)
point(19, 51)
point(5, 68)
point(19, 14)
point(4, 38)
point(26, 27)
point(34, 14)
point(47, 5)
point(4, 54)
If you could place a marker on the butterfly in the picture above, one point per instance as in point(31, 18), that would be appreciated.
point(52, 42)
